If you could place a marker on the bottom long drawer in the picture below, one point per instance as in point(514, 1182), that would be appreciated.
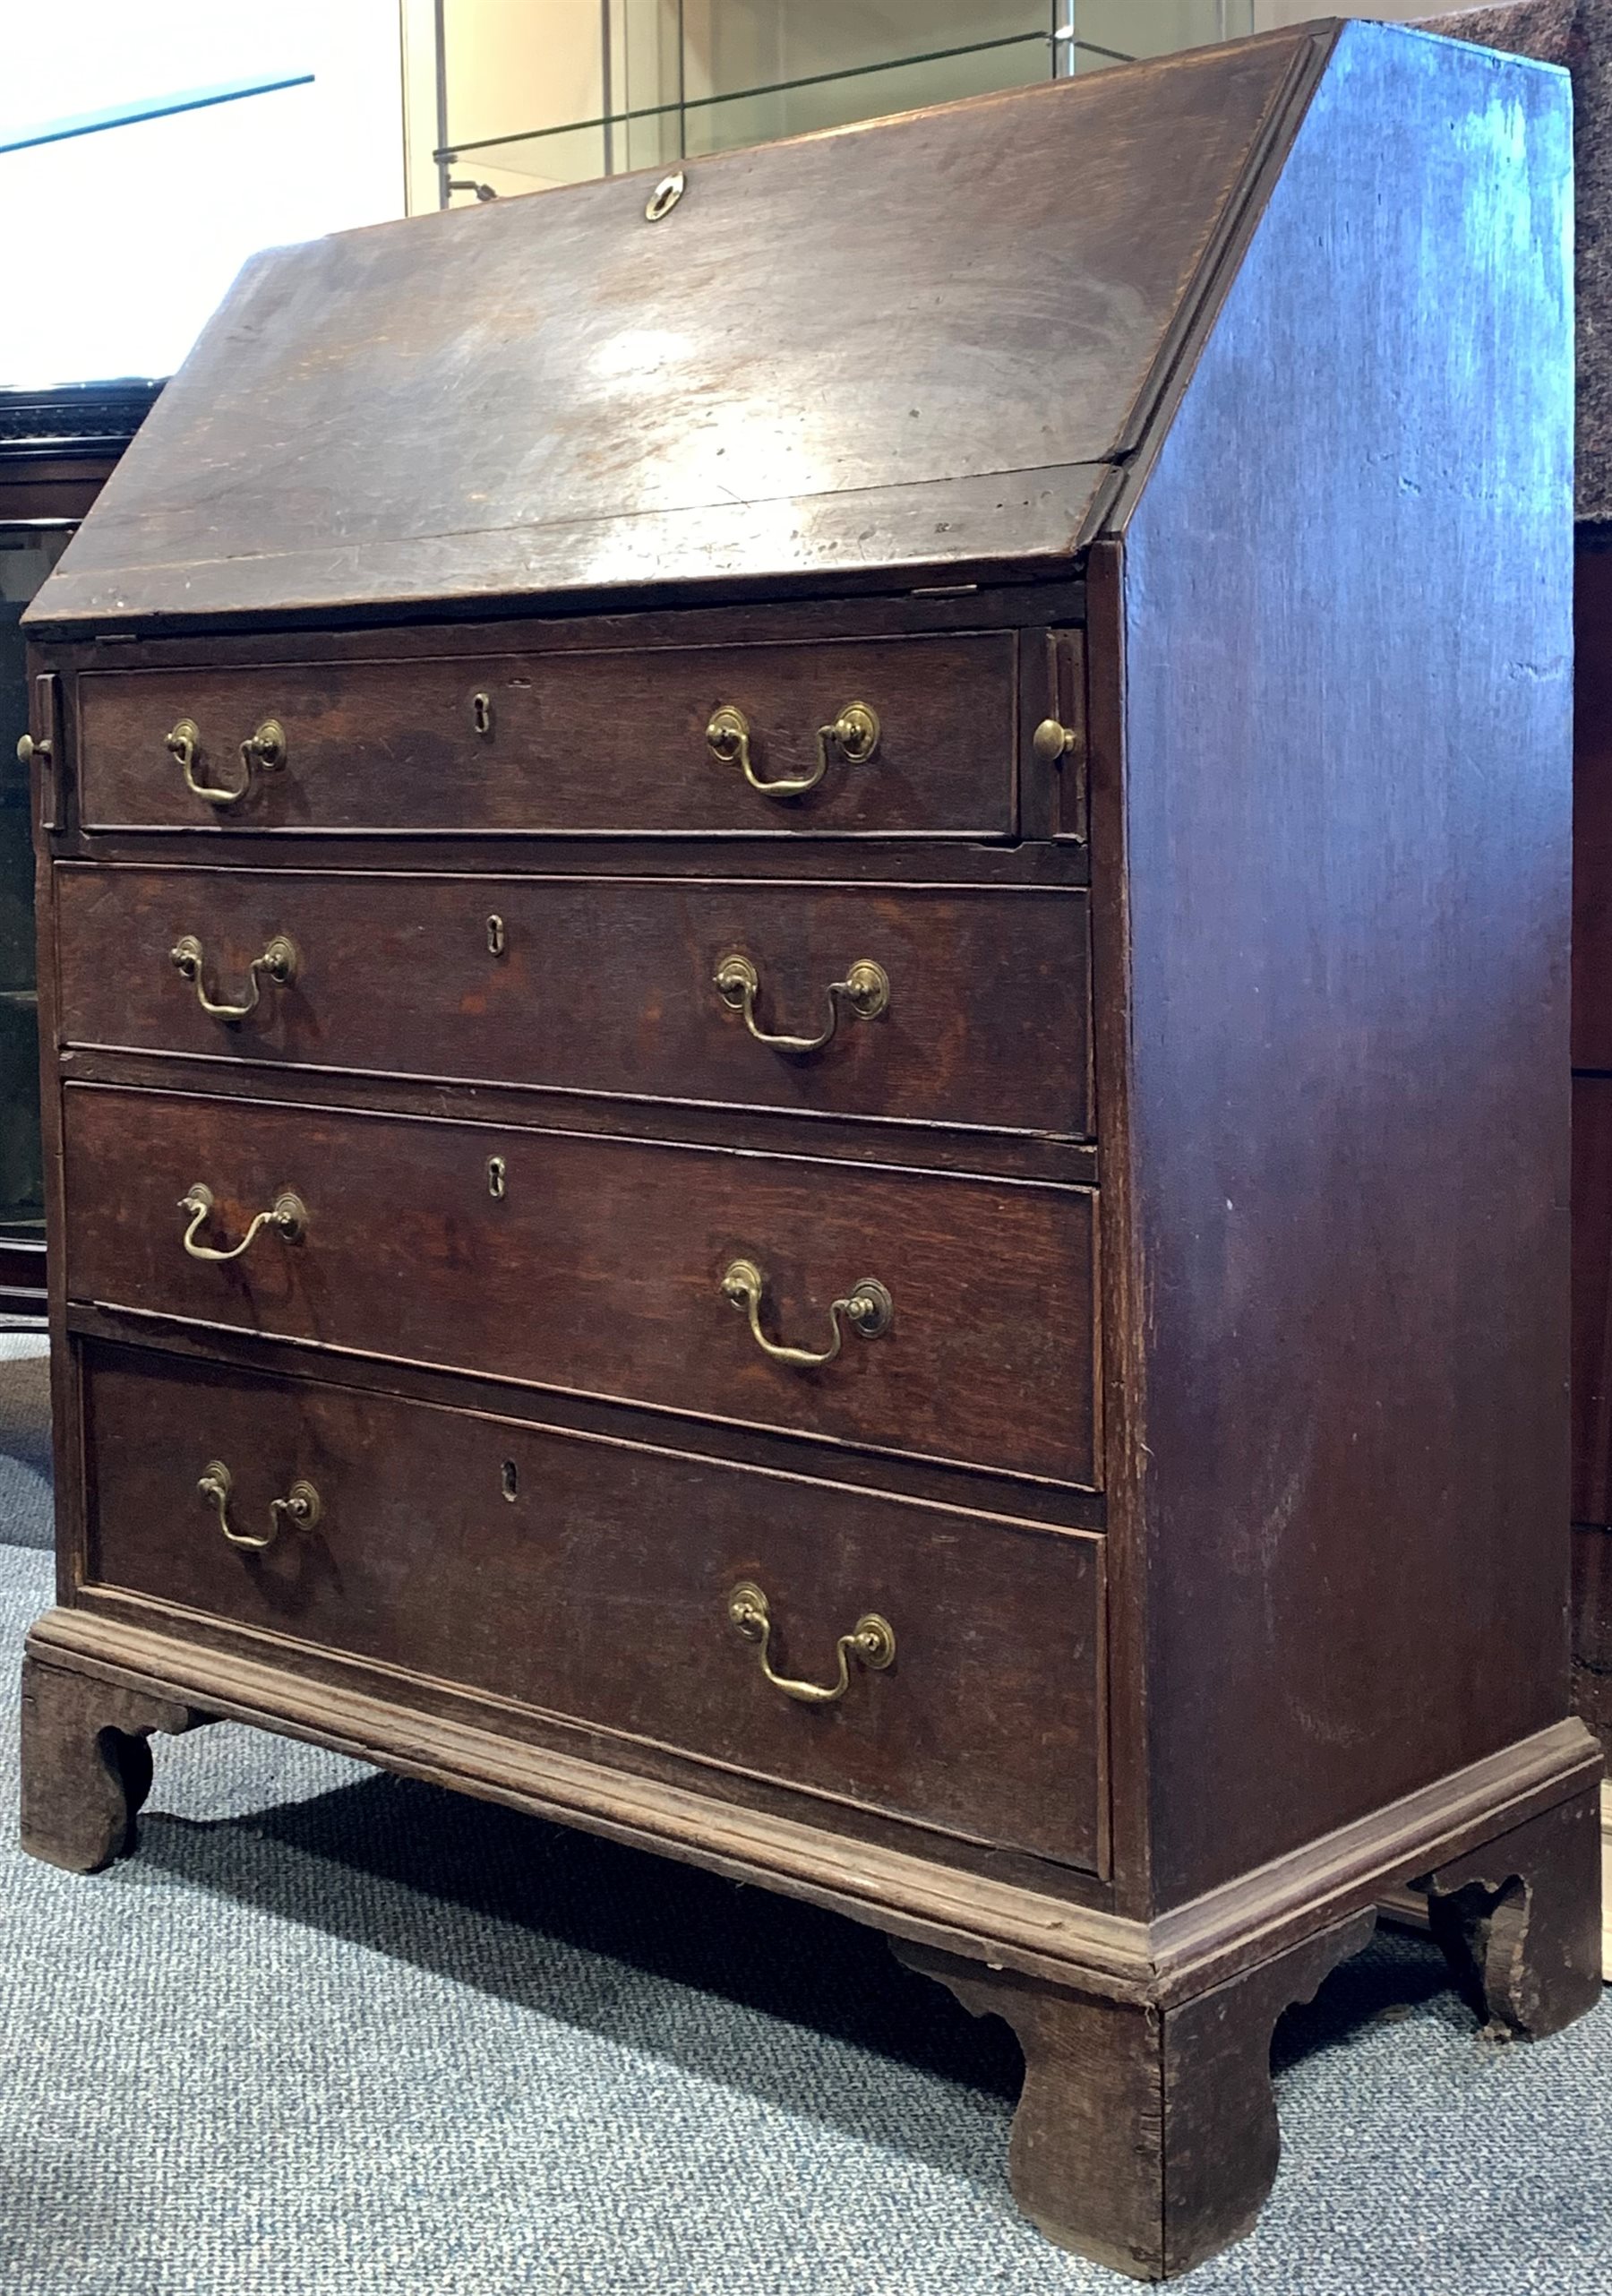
point(632, 1588)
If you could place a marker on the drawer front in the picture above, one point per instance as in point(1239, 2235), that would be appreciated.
point(577, 741)
point(600, 1267)
point(977, 1015)
point(593, 1579)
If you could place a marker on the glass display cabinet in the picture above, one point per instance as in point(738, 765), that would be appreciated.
point(531, 97)
point(57, 447)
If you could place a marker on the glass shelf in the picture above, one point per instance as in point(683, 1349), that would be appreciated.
point(679, 50)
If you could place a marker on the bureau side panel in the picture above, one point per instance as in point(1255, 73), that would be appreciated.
point(1347, 646)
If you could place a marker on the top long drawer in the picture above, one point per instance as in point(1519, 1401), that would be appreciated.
point(903, 734)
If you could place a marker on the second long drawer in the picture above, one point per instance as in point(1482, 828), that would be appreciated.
point(960, 1312)
point(975, 1014)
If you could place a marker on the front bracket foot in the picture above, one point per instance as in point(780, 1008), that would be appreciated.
point(87, 1763)
point(1145, 2139)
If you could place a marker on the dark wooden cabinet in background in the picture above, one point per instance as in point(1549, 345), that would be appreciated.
point(806, 953)
point(1593, 1136)
point(57, 449)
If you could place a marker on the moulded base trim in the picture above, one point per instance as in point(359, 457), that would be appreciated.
point(1173, 1958)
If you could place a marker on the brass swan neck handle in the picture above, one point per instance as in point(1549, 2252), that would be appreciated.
point(278, 963)
point(854, 734)
point(288, 1216)
point(865, 989)
point(301, 1506)
point(867, 1309)
point(266, 747)
point(871, 1641)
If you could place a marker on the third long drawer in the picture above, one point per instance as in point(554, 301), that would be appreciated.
point(653, 1273)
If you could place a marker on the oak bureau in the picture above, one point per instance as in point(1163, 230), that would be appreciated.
point(804, 949)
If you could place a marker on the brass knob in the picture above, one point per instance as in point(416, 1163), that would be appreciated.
point(266, 746)
point(854, 732)
point(28, 749)
point(1052, 741)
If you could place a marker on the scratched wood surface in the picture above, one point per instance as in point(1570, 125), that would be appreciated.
point(600, 1267)
point(1348, 822)
point(575, 740)
point(1294, 1374)
point(550, 394)
point(609, 988)
point(560, 1589)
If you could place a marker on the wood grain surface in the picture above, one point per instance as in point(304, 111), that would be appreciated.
point(1593, 1628)
point(601, 986)
point(599, 1589)
point(577, 741)
point(1592, 806)
point(550, 394)
point(600, 1267)
point(1346, 819)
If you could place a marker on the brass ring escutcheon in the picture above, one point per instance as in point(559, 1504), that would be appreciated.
point(871, 1641)
point(854, 734)
point(665, 197)
point(288, 1216)
point(301, 1506)
point(866, 989)
point(867, 1309)
point(278, 963)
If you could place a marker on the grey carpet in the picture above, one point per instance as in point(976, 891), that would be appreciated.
point(333, 2033)
point(25, 1440)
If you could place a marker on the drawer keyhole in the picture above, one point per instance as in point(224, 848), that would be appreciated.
point(497, 1178)
point(509, 1479)
point(481, 713)
point(497, 940)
